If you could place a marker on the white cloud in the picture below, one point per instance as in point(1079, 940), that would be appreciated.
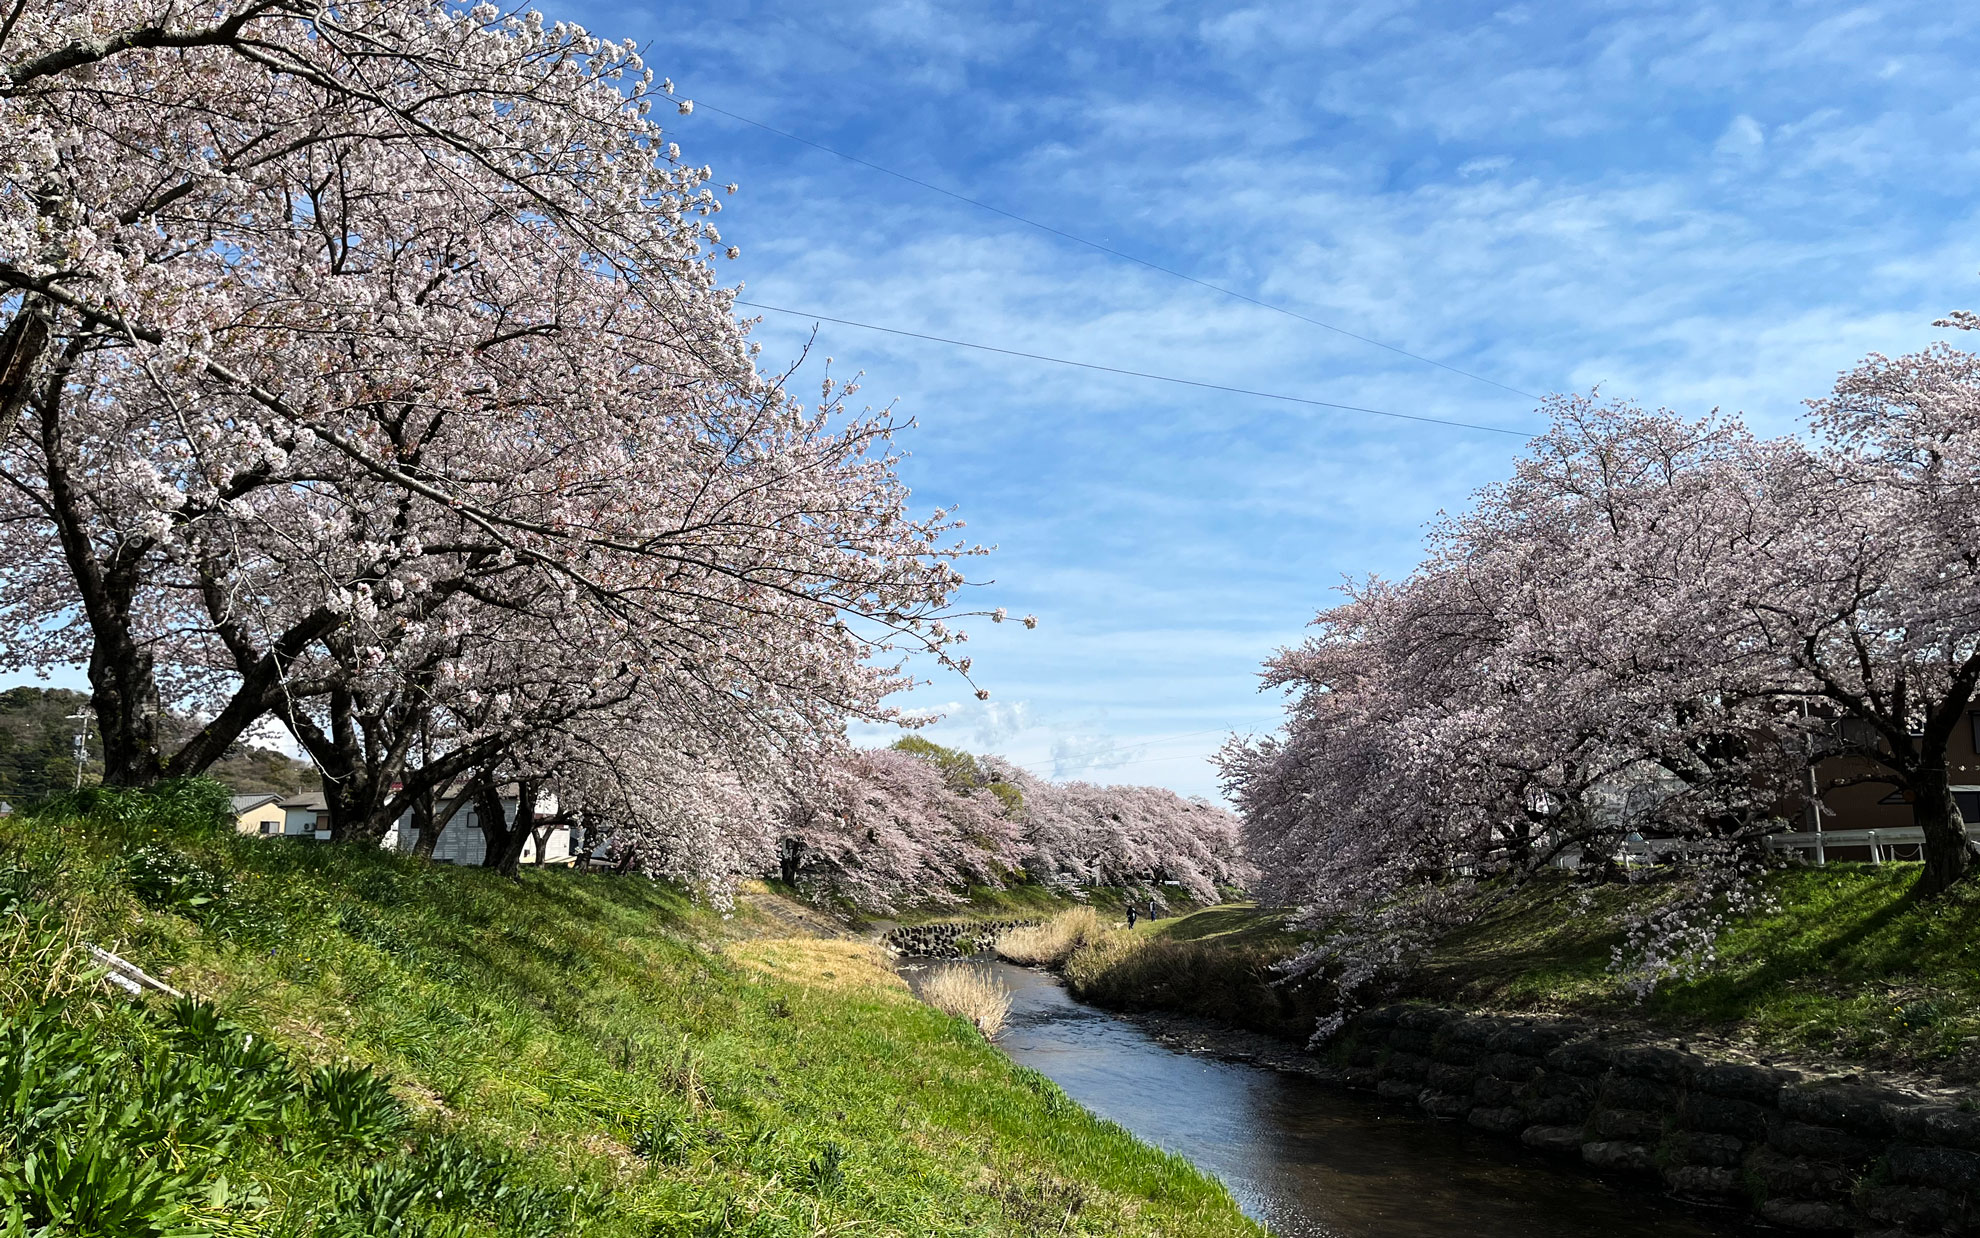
point(1742, 139)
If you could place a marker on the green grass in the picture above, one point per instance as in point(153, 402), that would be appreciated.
point(1219, 963)
point(1843, 968)
point(606, 1053)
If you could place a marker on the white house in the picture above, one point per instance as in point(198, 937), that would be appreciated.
point(461, 840)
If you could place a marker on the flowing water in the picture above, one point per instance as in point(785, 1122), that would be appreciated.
point(1310, 1160)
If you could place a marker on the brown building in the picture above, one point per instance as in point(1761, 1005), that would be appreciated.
point(1872, 821)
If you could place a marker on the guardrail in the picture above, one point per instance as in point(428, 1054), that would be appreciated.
point(1903, 842)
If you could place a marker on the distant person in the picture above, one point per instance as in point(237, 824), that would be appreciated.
point(1130, 915)
point(1152, 917)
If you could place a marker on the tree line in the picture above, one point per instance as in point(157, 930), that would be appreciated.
point(1656, 626)
point(918, 821)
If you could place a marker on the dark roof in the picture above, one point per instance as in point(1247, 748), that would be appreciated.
point(248, 803)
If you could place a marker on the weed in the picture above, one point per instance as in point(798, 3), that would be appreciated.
point(969, 993)
point(825, 1174)
point(168, 880)
point(1053, 942)
point(356, 1109)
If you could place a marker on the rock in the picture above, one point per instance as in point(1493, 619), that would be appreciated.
point(1705, 1112)
point(1805, 1214)
point(1526, 1040)
point(1397, 1089)
point(1942, 1124)
point(1580, 1057)
point(1494, 1092)
point(1516, 1067)
point(1504, 1120)
point(1629, 1092)
point(1704, 1181)
point(1651, 1062)
point(1447, 1078)
point(1861, 1110)
point(1821, 1143)
point(1787, 1175)
point(1476, 1033)
point(1558, 1110)
point(1702, 1148)
point(1455, 1052)
point(1382, 1017)
point(1552, 1138)
point(1760, 1085)
point(1444, 1104)
point(1416, 1041)
point(1619, 1155)
point(1633, 1125)
point(1404, 1066)
point(1920, 1209)
point(1361, 1078)
point(1423, 1018)
point(1941, 1167)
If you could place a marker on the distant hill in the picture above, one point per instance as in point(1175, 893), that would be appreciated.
point(37, 741)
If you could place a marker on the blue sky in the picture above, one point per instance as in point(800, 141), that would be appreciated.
point(1691, 205)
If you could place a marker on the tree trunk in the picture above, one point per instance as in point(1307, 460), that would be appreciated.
point(124, 698)
point(503, 838)
point(507, 859)
point(1947, 857)
point(424, 835)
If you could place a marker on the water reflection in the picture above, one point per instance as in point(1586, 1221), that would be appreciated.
point(1311, 1161)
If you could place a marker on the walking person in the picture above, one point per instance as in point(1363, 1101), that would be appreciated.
point(1130, 908)
point(1152, 917)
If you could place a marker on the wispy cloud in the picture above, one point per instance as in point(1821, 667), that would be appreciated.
point(1691, 205)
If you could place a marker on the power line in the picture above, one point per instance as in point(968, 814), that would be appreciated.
point(1110, 250)
point(1160, 378)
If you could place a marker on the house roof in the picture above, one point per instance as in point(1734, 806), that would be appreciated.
point(312, 800)
point(248, 803)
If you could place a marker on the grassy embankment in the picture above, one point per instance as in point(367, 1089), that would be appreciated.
point(385, 1046)
point(1844, 968)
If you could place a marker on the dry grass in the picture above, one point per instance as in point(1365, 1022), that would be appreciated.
point(1052, 943)
point(818, 964)
point(960, 989)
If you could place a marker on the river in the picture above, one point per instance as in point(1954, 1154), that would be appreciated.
point(1312, 1161)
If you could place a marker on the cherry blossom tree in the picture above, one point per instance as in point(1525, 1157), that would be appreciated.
point(1563, 673)
point(889, 827)
point(365, 367)
point(1647, 632)
point(1866, 584)
point(1082, 833)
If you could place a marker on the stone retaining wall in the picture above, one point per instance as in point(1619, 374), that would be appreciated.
point(1815, 1155)
point(949, 938)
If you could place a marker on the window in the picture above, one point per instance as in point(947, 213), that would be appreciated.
point(1974, 718)
point(268, 827)
point(1969, 805)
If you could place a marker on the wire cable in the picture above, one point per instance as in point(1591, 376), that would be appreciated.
point(1160, 378)
point(1110, 250)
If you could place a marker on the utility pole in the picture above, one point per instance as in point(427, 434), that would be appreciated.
point(81, 747)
